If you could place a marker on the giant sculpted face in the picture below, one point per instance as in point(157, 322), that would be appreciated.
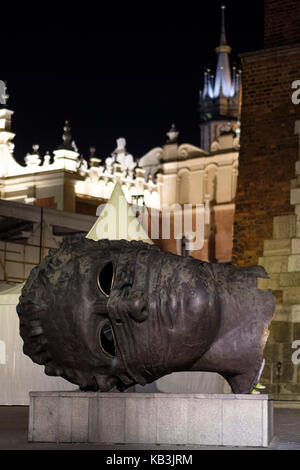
point(107, 315)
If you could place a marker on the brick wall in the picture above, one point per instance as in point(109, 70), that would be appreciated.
point(268, 147)
point(282, 22)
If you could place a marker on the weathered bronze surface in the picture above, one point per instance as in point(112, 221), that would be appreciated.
point(106, 315)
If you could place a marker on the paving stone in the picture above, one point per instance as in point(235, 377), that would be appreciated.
point(14, 424)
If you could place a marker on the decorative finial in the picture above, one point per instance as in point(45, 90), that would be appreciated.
point(67, 138)
point(93, 160)
point(33, 159)
point(35, 149)
point(172, 135)
point(92, 151)
point(47, 158)
point(3, 93)
point(120, 150)
point(121, 144)
point(74, 146)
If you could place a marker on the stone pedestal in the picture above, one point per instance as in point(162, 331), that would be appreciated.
point(151, 418)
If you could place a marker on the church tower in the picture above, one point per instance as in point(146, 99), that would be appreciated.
point(219, 102)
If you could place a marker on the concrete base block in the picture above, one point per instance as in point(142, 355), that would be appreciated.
point(151, 418)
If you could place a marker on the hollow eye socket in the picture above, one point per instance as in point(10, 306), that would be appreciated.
point(107, 340)
point(106, 279)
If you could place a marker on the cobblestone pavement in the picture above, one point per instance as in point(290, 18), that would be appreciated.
point(286, 429)
point(14, 423)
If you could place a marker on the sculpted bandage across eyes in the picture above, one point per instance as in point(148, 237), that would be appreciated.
point(109, 314)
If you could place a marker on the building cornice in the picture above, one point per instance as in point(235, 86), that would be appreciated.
point(40, 175)
point(219, 159)
point(51, 216)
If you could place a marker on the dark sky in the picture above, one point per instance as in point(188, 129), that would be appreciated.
point(128, 73)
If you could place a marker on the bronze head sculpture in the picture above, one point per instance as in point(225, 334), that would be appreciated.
point(109, 314)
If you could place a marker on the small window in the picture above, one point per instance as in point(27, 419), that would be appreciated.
point(107, 340)
point(106, 279)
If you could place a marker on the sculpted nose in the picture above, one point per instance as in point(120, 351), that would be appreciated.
point(136, 306)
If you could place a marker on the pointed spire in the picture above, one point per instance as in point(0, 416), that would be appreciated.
point(223, 84)
point(223, 46)
point(205, 91)
point(210, 81)
point(221, 92)
point(223, 40)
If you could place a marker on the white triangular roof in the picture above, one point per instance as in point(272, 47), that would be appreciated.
point(117, 221)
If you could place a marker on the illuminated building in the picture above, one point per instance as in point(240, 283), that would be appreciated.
point(65, 183)
point(220, 98)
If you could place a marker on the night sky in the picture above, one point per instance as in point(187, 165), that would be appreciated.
point(118, 74)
